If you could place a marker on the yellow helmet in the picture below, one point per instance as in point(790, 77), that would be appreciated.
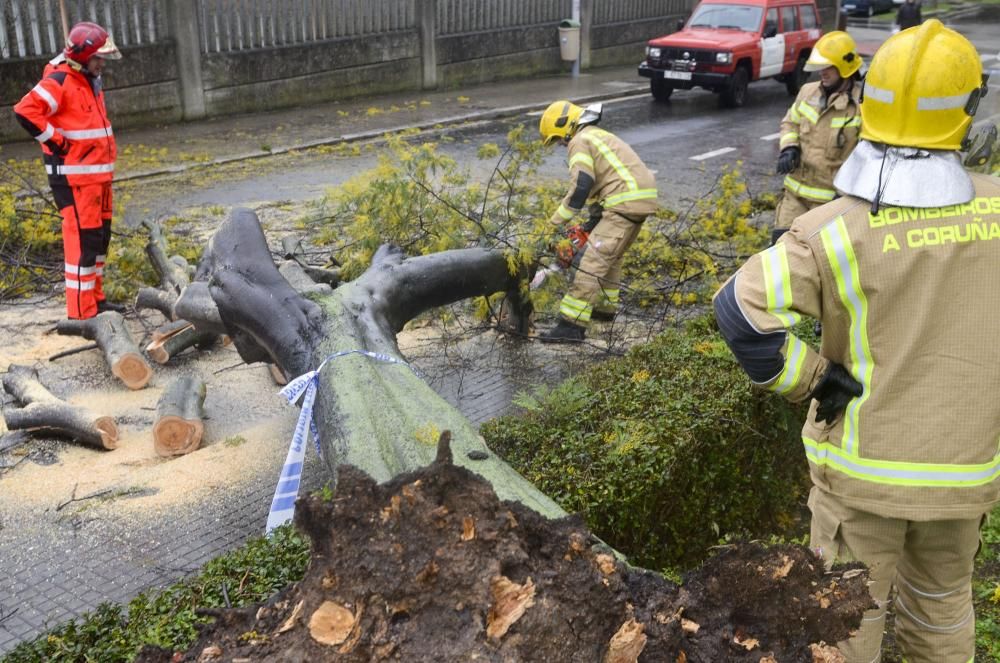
point(922, 89)
point(559, 121)
point(835, 49)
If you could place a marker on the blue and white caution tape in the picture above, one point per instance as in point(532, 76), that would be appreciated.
point(287, 490)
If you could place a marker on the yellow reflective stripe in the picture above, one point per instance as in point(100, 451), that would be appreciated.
point(841, 122)
point(808, 112)
point(565, 212)
point(795, 359)
point(811, 192)
point(575, 309)
point(610, 296)
point(582, 159)
point(778, 285)
point(794, 114)
point(639, 194)
point(790, 137)
point(899, 473)
point(613, 159)
point(843, 261)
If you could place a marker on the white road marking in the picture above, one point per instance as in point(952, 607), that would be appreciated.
point(713, 153)
point(771, 136)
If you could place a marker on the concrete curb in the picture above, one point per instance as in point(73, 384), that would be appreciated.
point(428, 127)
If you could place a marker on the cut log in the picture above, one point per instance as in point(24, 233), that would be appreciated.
point(170, 344)
point(178, 429)
point(43, 411)
point(369, 412)
point(172, 270)
point(300, 280)
point(158, 300)
point(169, 329)
point(108, 330)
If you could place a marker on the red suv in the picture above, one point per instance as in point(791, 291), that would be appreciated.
point(728, 43)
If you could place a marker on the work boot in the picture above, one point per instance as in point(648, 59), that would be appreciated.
point(603, 316)
point(104, 306)
point(564, 332)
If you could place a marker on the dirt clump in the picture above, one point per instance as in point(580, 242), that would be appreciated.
point(431, 566)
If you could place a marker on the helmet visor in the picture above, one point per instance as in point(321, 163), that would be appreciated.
point(109, 51)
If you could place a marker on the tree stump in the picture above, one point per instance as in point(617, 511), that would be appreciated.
point(170, 340)
point(43, 411)
point(108, 330)
point(178, 429)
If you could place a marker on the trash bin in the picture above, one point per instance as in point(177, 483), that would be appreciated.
point(569, 39)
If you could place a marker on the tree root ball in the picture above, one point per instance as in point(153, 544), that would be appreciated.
point(431, 566)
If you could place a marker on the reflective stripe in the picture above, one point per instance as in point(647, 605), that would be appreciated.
point(613, 159)
point(942, 103)
point(778, 285)
point(73, 284)
point(45, 135)
point(83, 134)
point(939, 595)
point(899, 473)
point(843, 261)
point(575, 309)
point(930, 627)
point(101, 259)
point(80, 271)
point(565, 212)
point(80, 170)
point(809, 112)
point(795, 359)
point(841, 122)
point(583, 159)
point(100, 271)
point(47, 96)
point(790, 137)
point(794, 114)
point(810, 192)
point(879, 94)
point(610, 296)
point(638, 194)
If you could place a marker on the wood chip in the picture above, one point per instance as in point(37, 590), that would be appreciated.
point(289, 623)
point(744, 640)
point(510, 601)
point(468, 528)
point(783, 571)
point(606, 563)
point(689, 626)
point(627, 643)
point(768, 659)
point(852, 573)
point(210, 653)
point(824, 653)
point(331, 623)
point(681, 658)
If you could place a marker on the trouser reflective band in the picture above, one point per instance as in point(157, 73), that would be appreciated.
point(609, 299)
point(810, 192)
point(86, 230)
point(575, 310)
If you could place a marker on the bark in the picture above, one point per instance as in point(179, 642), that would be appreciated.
point(173, 342)
point(378, 416)
point(43, 411)
point(301, 281)
point(158, 300)
point(178, 429)
point(108, 330)
point(172, 270)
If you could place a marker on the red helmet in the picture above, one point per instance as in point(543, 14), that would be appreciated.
point(87, 40)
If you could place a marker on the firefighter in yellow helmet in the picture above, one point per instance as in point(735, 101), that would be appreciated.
point(901, 434)
point(820, 129)
point(607, 173)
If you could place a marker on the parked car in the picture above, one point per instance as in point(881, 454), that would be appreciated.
point(867, 7)
point(726, 44)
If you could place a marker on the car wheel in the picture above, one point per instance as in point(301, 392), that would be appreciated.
point(660, 89)
point(735, 94)
point(797, 77)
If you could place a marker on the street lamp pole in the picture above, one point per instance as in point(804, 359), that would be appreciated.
point(576, 17)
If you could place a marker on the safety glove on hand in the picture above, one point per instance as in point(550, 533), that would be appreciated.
point(59, 145)
point(835, 390)
point(789, 160)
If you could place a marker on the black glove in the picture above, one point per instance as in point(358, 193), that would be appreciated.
point(789, 160)
point(835, 390)
point(594, 215)
point(59, 147)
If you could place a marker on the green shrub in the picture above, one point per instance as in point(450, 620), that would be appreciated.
point(663, 451)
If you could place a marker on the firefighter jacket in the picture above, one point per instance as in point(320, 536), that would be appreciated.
point(826, 130)
point(910, 307)
point(604, 169)
point(65, 112)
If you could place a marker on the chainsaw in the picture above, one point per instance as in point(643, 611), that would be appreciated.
point(567, 251)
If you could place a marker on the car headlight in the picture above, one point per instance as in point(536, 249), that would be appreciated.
point(652, 52)
point(723, 58)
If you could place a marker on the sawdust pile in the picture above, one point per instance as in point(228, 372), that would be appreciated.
point(432, 566)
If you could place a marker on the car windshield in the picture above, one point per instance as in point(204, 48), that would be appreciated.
point(733, 17)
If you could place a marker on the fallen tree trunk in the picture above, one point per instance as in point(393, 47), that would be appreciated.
point(167, 345)
point(108, 330)
point(172, 270)
point(178, 429)
point(158, 300)
point(376, 415)
point(43, 411)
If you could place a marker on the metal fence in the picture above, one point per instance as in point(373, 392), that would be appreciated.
point(457, 16)
point(236, 25)
point(623, 11)
point(30, 28)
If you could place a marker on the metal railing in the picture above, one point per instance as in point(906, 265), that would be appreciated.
point(31, 28)
point(458, 16)
point(236, 25)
